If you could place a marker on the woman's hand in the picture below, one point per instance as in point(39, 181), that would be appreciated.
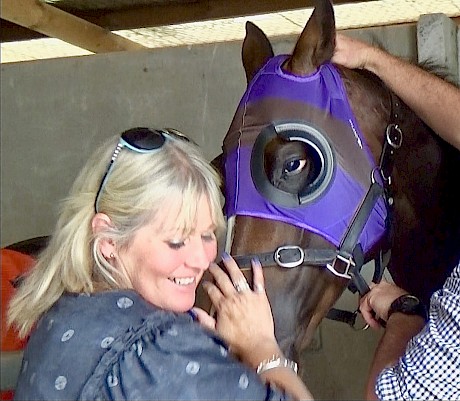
point(245, 321)
point(243, 316)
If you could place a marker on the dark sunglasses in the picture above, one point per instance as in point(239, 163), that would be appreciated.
point(140, 140)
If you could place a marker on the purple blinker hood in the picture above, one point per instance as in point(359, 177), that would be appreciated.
point(319, 99)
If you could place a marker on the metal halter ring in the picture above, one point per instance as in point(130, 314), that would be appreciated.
point(241, 285)
point(362, 328)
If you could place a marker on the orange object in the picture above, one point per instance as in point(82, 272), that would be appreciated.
point(7, 395)
point(13, 265)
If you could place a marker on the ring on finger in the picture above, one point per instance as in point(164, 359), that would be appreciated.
point(241, 285)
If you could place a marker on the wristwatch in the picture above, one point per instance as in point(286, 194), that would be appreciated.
point(409, 305)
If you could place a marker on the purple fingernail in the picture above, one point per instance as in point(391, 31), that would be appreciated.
point(225, 256)
point(256, 262)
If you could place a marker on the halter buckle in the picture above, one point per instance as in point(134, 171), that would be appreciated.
point(395, 140)
point(349, 262)
point(289, 265)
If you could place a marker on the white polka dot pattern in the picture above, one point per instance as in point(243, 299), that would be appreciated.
point(139, 348)
point(105, 343)
point(25, 364)
point(124, 303)
point(243, 382)
point(112, 380)
point(95, 341)
point(60, 383)
point(172, 331)
point(67, 335)
point(192, 368)
point(223, 351)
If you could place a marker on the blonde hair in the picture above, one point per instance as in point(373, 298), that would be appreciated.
point(138, 188)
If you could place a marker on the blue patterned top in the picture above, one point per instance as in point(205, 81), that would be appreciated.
point(430, 368)
point(115, 345)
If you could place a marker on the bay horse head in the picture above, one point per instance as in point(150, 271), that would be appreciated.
point(324, 169)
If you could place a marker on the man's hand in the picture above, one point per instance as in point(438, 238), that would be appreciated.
point(376, 303)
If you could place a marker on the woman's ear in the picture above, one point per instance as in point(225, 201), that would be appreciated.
point(100, 223)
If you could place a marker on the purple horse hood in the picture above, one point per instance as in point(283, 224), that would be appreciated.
point(319, 99)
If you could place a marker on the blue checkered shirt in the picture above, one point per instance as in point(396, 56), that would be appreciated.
point(430, 367)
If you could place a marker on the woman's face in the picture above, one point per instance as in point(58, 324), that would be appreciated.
point(164, 267)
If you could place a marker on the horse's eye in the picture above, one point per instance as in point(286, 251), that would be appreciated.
point(293, 167)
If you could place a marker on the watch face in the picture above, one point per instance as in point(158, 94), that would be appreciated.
point(409, 303)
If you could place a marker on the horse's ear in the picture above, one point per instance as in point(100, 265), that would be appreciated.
point(316, 43)
point(257, 49)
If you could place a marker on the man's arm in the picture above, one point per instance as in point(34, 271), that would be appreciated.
point(436, 101)
point(400, 328)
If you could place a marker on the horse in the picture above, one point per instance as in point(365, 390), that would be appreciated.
point(325, 169)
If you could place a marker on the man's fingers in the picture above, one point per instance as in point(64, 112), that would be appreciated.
point(368, 313)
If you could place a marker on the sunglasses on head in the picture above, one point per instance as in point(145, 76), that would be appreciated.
point(140, 140)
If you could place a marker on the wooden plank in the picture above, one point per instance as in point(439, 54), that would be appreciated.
point(168, 14)
point(205, 10)
point(53, 22)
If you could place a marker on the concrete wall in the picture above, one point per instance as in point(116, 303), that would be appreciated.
point(437, 44)
point(53, 112)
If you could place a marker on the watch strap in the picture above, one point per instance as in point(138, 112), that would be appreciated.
point(409, 305)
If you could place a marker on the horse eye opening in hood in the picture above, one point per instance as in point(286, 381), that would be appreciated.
point(284, 146)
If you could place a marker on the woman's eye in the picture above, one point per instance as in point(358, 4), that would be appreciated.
point(176, 244)
point(208, 237)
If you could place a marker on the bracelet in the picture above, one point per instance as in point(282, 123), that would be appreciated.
point(276, 361)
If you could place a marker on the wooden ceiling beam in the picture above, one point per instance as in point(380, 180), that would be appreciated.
point(169, 14)
point(204, 10)
point(53, 22)
point(166, 14)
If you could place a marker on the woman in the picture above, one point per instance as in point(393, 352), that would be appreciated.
point(110, 300)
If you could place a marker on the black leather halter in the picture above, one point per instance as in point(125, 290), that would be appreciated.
point(347, 260)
